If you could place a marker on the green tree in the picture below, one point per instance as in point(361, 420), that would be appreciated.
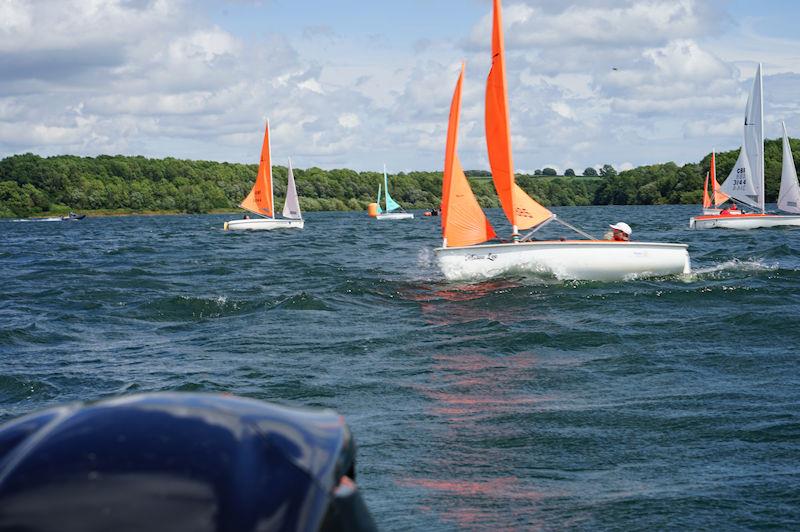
point(608, 171)
point(590, 171)
point(569, 172)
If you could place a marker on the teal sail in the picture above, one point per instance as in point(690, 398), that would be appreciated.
point(379, 199)
point(391, 205)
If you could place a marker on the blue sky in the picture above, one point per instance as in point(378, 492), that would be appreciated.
point(359, 83)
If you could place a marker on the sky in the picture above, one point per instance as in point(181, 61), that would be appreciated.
point(358, 84)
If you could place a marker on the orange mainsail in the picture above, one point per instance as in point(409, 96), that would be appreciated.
point(719, 197)
point(259, 201)
point(521, 210)
point(706, 197)
point(463, 220)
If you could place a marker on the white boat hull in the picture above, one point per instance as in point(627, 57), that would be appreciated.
point(743, 221)
point(263, 224)
point(395, 216)
point(595, 260)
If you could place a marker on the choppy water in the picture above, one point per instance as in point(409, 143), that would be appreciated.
point(517, 403)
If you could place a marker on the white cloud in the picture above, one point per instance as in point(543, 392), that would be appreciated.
point(349, 120)
point(161, 78)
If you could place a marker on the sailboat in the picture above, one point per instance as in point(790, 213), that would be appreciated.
point(745, 184)
point(465, 255)
point(716, 198)
point(261, 199)
point(393, 209)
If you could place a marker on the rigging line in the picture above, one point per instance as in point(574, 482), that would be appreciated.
point(579, 231)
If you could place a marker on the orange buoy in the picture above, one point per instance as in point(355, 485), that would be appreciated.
point(372, 210)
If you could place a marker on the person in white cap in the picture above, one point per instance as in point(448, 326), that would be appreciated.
point(622, 232)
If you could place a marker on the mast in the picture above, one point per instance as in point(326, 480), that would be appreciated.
point(762, 191)
point(269, 169)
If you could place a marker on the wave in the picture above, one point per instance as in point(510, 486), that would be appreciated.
point(188, 308)
point(15, 389)
point(733, 265)
point(302, 301)
point(32, 335)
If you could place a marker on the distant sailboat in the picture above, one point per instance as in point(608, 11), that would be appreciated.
point(393, 209)
point(713, 201)
point(789, 195)
point(745, 184)
point(261, 199)
point(465, 228)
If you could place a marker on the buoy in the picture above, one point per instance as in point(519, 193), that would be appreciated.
point(372, 210)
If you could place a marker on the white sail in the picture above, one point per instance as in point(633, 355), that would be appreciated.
point(739, 184)
point(746, 181)
point(291, 209)
point(754, 136)
point(789, 196)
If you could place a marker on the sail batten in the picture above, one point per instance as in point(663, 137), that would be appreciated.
point(260, 199)
point(463, 221)
point(789, 195)
point(521, 210)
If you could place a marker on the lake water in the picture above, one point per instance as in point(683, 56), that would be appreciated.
point(515, 403)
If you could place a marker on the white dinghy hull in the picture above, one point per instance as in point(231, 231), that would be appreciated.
point(743, 221)
point(263, 224)
point(395, 216)
point(595, 260)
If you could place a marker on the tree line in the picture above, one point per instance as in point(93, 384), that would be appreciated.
point(32, 185)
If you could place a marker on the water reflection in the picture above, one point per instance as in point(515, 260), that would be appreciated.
point(502, 300)
point(476, 402)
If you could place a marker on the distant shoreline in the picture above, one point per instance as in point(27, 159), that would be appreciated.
point(105, 213)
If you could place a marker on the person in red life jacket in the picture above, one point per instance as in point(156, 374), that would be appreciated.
point(621, 232)
point(733, 209)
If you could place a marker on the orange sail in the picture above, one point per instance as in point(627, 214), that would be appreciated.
point(463, 220)
point(719, 197)
point(521, 210)
point(706, 197)
point(259, 201)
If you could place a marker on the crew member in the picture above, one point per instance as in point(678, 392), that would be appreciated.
point(621, 232)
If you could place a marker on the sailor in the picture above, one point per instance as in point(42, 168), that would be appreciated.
point(246, 217)
point(621, 232)
point(733, 209)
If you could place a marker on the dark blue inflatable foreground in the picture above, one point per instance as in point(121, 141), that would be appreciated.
point(179, 462)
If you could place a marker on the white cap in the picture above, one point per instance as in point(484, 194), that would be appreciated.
point(622, 226)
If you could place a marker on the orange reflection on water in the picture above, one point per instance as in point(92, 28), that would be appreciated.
point(478, 386)
point(473, 503)
point(438, 309)
point(476, 395)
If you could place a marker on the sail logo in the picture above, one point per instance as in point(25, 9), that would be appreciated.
point(740, 179)
point(490, 256)
point(523, 212)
